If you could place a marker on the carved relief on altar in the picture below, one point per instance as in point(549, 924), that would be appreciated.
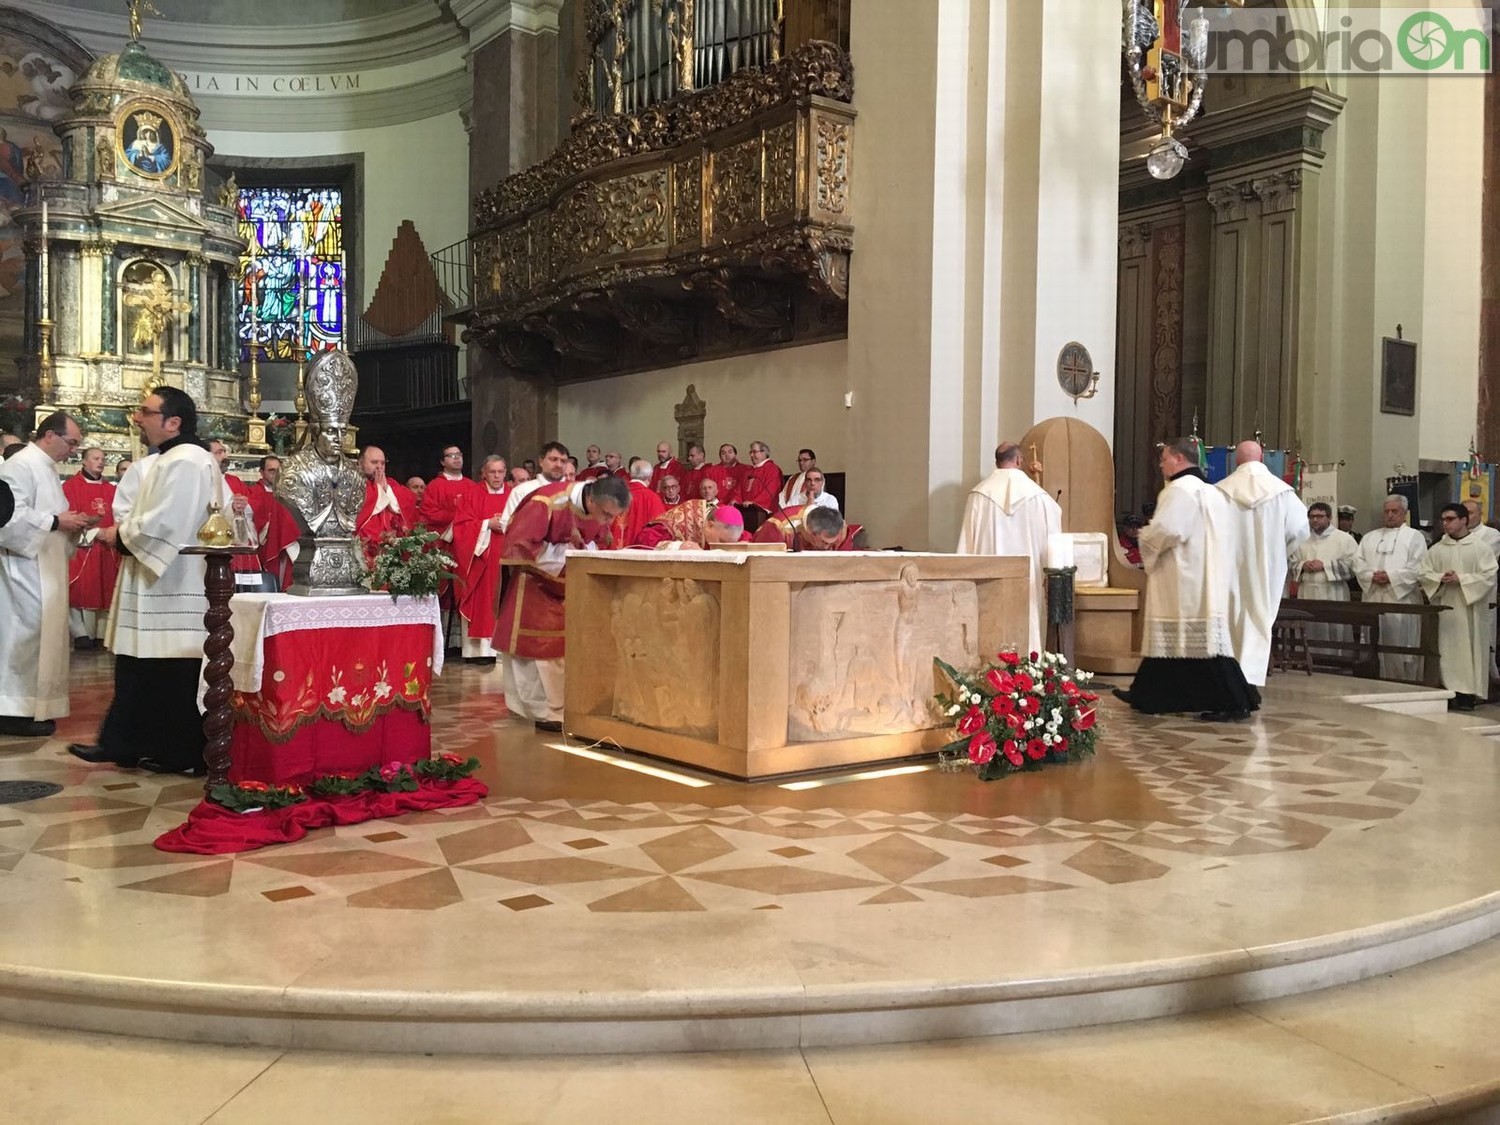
point(861, 654)
point(666, 638)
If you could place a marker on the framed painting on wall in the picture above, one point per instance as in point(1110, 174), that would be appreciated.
point(1398, 376)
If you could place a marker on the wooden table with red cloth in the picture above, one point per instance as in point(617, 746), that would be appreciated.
point(333, 689)
point(331, 685)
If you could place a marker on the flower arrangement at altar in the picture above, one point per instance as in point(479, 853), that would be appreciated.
point(411, 562)
point(16, 416)
point(279, 432)
point(1020, 713)
point(253, 796)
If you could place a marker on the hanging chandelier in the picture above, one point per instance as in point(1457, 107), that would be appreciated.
point(1166, 55)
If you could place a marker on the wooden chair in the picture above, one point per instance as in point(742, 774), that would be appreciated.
point(1288, 635)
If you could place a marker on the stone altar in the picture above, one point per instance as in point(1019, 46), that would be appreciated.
point(764, 665)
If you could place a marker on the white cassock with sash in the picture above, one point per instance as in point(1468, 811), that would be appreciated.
point(1270, 523)
point(1008, 513)
point(34, 640)
point(1399, 552)
point(1336, 550)
point(1186, 550)
point(1462, 636)
point(159, 600)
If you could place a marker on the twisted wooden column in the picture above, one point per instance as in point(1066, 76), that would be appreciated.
point(218, 715)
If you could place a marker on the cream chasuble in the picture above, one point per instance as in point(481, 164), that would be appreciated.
point(1462, 636)
point(1008, 513)
point(34, 643)
point(1270, 522)
point(1186, 549)
point(1398, 551)
point(159, 600)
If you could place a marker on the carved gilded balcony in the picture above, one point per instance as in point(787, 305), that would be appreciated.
point(713, 223)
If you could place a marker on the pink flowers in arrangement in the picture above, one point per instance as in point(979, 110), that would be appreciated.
point(1020, 713)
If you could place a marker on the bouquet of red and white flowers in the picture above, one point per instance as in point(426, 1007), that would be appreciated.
point(1020, 713)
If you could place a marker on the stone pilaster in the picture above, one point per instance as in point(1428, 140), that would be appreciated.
point(1489, 271)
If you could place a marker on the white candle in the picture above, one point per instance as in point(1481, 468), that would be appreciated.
point(43, 270)
point(1059, 552)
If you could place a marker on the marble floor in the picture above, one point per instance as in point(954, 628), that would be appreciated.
point(589, 890)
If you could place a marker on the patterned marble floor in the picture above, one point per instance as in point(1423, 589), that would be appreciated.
point(562, 833)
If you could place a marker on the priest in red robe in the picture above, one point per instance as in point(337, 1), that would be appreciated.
point(92, 569)
point(666, 466)
point(728, 475)
point(760, 483)
point(543, 527)
point(593, 464)
point(439, 505)
point(645, 505)
point(692, 472)
point(477, 541)
point(389, 507)
point(275, 526)
point(239, 505)
point(694, 525)
point(811, 529)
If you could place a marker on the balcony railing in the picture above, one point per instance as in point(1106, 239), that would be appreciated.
point(451, 264)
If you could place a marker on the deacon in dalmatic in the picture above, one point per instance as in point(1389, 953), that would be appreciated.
point(34, 549)
point(1459, 572)
point(1322, 567)
point(1389, 569)
point(1008, 513)
point(1188, 549)
point(1270, 524)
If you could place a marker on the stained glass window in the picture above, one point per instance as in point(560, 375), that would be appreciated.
point(292, 274)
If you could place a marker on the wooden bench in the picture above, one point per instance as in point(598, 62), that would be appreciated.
point(1365, 650)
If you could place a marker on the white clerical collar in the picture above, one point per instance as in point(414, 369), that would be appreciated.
point(452, 476)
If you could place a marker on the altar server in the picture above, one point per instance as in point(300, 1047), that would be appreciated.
point(91, 571)
point(1458, 572)
point(1008, 513)
point(1187, 549)
point(1270, 523)
point(1321, 568)
point(156, 630)
point(34, 548)
point(1389, 569)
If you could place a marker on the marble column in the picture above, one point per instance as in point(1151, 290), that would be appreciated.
point(1489, 274)
point(67, 300)
point(195, 311)
point(90, 286)
point(107, 319)
point(515, 120)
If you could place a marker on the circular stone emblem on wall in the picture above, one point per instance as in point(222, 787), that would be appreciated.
point(147, 139)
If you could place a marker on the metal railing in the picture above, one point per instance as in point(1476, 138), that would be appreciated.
point(452, 266)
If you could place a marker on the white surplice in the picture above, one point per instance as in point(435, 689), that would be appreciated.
point(1462, 636)
point(1491, 539)
point(34, 642)
point(130, 486)
point(1008, 513)
point(1399, 552)
point(1270, 523)
point(1187, 549)
point(159, 600)
point(1336, 550)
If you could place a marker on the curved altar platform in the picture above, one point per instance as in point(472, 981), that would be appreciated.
point(587, 908)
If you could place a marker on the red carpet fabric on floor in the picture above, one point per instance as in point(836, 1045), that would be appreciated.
point(214, 830)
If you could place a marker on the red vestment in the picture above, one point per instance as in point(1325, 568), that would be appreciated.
point(690, 478)
point(476, 556)
point(600, 470)
point(761, 485)
point(786, 527)
point(278, 532)
point(92, 569)
point(645, 506)
point(681, 523)
point(730, 480)
point(671, 467)
point(440, 500)
point(372, 526)
point(531, 608)
point(238, 487)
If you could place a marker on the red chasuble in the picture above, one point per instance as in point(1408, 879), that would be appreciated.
point(681, 523)
point(441, 499)
point(730, 482)
point(92, 569)
point(278, 531)
point(645, 506)
point(761, 486)
point(476, 555)
point(531, 608)
point(592, 472)
point(372, 526)
point(786, 527)
point(671, 467)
